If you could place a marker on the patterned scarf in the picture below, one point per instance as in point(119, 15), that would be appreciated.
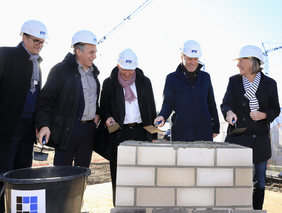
point(35, 72)
point(251, 90)
point(129, 94)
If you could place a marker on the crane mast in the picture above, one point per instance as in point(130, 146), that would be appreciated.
point(266, 59)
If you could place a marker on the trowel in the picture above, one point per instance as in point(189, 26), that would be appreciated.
point(40, 156)
point(114, 127)
point(153, 129)
point(238, 130)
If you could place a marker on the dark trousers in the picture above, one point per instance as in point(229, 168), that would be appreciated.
point(19, 153)
point(79, 148)
point(137, 133)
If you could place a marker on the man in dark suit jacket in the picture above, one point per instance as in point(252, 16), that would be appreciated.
point(127, 99)
point(20, 82)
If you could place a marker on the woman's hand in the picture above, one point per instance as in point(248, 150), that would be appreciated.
point(230, 116)
point(257, 115)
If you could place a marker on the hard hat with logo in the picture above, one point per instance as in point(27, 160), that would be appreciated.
point(35, 28)
point(127, 60)
point(84, 36)
point(192, 49)
point(251, 51)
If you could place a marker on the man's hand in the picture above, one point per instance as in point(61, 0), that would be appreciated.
point(44, 131)
point(96, 119)
point(159, 119)
point(110, 121)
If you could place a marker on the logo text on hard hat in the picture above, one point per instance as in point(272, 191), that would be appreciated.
point(42, 33)
point(128, 61)
point(194, 51)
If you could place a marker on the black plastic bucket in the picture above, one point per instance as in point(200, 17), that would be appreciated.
point(56, 189)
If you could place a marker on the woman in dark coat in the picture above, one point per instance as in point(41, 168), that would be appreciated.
point(251, 101)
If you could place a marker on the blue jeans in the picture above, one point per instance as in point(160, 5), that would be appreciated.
point(259, 174)
point(19, 153)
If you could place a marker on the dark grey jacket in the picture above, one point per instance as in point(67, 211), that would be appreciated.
point(61, 101)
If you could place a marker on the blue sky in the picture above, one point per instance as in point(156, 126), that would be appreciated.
point(221, 27)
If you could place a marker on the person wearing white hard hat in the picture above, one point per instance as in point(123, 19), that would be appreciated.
point(20, 77)
point(251, 101)
point(127, 99)
point(189, 93)
point(67, 107)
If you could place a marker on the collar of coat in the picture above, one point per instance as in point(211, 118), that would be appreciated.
point(25, 53)
point(139, 75)
point(179, 69)
point(70, 59)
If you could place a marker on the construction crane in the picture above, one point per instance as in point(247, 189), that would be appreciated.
point(266, 60)
point(128, 18)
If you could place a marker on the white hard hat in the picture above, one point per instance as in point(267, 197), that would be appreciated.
point(127, 59)
point(84, 36)
point(192, 49)
point(251, 51)
point(35, 28)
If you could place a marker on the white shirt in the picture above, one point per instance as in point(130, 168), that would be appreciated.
point(132, 112)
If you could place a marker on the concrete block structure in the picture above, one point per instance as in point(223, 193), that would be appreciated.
point(185, 176)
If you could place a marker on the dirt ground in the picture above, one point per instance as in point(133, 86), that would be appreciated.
point(100, 169)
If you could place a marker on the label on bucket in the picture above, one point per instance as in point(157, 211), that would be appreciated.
point(28, 201)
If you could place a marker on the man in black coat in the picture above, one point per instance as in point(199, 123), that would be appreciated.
point(127, 99)
point(20, 82)
point(67, 109)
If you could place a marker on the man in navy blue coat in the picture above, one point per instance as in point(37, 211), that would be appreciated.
point(189, 93)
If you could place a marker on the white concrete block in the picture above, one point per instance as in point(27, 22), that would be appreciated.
point(156, 156)
point(135, 176)
point(195, 157)
point(195, 197)
point(234, 196)
point(155, 197)
point(126, 155)
point(214, 177)
point(124, 196)
point(175, 177)
point(244, 177)
point(234, 157)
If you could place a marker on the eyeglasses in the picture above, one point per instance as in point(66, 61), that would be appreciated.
point(37, 42)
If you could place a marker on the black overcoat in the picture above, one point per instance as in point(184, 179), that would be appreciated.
point(257, 134)
point(15, 77)
point(58, 103)
point(112, 102)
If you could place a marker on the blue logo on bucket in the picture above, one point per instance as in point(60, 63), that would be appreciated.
point(194, 51)
point(28, 201)
point(27, 204)
point(128, 61)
